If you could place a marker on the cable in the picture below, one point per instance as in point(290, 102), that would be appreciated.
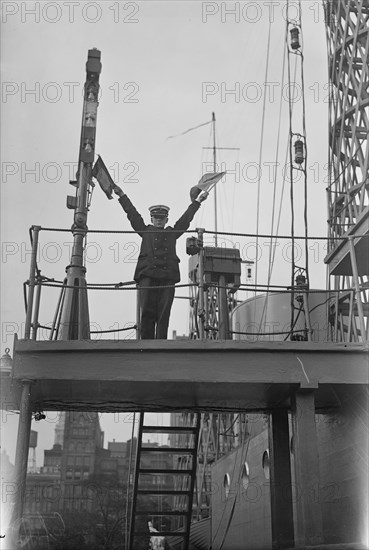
point(232, 234)
point(305, 159)
point(266, 333)
point(114, 330)
point(244, 456)
point(271, 254)
point(291, 168)
point(294, 324)
point(261, 151)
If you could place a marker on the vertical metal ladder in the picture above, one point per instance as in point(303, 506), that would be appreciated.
point(164, 484)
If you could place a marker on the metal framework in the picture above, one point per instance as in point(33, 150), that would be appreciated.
point(347, 26)
point(216, 272)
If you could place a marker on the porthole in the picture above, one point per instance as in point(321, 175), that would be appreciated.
point(245, 475)
point(227, 484)
point(265, 463)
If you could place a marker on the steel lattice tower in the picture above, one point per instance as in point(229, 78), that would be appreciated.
point(347, 26)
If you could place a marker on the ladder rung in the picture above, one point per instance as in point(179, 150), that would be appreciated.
point(168, 429)
point(159, 514)
point(164, 471)
point(173, 450)
point(163, 492)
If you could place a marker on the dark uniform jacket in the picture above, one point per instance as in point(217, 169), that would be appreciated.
point(158, 258)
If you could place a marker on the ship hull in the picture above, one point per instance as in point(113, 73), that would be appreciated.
point(242, 513)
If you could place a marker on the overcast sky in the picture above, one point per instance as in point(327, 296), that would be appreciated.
point(166, 67)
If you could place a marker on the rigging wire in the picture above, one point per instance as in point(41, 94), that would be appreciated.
point(224, 195)
point(291, 170)
point(243, 461)
point(242, 449)
point(271, 258)
point(302, 163)
point(203, 154)
point(234, 234)
point(305, 160)
point(260, 155)
point(234, 192)
point(272, 249)
point(271, 255)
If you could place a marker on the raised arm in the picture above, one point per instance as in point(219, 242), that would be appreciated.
point(184, 221)
point(133, 216)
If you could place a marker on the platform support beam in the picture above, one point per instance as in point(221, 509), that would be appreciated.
point(21, 460)
point(308, 520)
point(280, 480)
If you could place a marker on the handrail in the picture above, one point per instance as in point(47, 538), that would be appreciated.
point(206, 231)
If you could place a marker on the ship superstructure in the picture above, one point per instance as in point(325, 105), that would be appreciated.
point(275, 412)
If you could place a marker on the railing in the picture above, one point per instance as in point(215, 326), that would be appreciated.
point(37, 281)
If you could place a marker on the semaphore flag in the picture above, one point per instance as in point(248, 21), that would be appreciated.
point(101, 173)
point(206, 183)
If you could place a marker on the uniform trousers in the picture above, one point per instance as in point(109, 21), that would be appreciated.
point(155, 306)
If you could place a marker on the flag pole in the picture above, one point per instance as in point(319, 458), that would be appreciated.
point(215, 189)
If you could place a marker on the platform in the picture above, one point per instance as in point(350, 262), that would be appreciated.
point(166, 375)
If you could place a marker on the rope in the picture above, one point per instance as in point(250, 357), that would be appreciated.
point(43, 326)
point(97, 287)
point(261, 151)
point(114, 231)
point(133, 327)
point(228, 234)
point(291, 166)
point(243, 460)
point(267, 333)
point(243, 287)
point(306, 154)
point(271, 251)
point(271, 258)
point(294, 323)
point(273, 236)
point(190, 129)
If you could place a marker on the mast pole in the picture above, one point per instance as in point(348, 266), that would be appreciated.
point(74, 319)
point(215, 187)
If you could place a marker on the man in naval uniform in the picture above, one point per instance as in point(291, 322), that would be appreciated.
point(157, 264)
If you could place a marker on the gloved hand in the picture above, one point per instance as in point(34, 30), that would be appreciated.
point(118, 191)
point(203, 196)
